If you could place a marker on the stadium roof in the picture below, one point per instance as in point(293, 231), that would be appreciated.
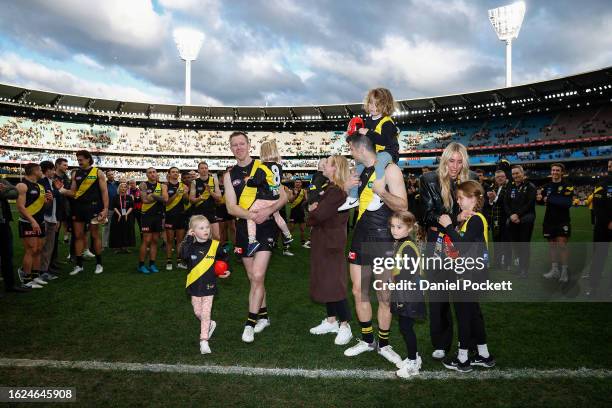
point(84, 104)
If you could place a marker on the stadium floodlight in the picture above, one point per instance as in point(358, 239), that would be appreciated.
point(507, 22)
point(188, 41)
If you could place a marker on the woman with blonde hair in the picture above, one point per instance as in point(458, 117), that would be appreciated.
point(328, 281)
point(438, 197)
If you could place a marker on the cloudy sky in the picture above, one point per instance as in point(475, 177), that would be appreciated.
point(284, 52)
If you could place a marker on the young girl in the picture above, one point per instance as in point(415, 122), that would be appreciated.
point(379, 128)
point(200, 254)
point(267, 180)
point(471, 242)
point(407, 304)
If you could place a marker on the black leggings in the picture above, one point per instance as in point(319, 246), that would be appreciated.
point(339, 309)
point(407, 329)
point(470, 324)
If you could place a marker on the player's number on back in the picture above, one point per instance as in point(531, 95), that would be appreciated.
point(277, 178)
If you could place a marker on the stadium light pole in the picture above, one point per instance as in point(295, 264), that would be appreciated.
point(188, 42)
point(507, 22)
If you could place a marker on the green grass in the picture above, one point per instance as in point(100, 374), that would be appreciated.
point(124, 316)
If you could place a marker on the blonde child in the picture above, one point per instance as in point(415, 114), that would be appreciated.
point(267, 180)
point(383, 133)
point(407, 304)
point(200, 253)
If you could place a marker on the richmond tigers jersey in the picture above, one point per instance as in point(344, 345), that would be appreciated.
point(35, 201)
point(92, 194)
point(378, 219)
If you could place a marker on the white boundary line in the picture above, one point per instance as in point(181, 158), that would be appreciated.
point(477, 374)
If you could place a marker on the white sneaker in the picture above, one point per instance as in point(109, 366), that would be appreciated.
point(409, 368)
point(204, 347)
point(349, 203)
point(99, 269)
point(306, 245)
point(360, 347)
point(563, 278)
point(286, 252)
point(248, 335)
point(344, 335)
point(168, 266)
point(375, 204)
point(552, 274)
point(390, 354)
point(77, 269)
point(261, 325)
point(325, 327)
point(211, 328)
point(87, 254)
point(33, 285)
point(438, 354)
point(181, 265)
point(40, 281)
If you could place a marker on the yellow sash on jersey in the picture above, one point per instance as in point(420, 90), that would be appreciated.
point(38, 204)
point(91, 178)
point(298, 200)
point(395, 271)
point(366, 195)
point(178, 196)
point(206, 194)
point(248, 195)
point(147, 206)
point(379, 131)
point(204, 265)
point(485, 225)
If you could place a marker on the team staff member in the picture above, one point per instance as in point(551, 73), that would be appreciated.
point(203, 193)
point(238, 198)
point(50, 218)
point(90, 206)
point(63, 211)
point(494, 208)
point(297, 216)
point(372, 234)
point(31, 203)
point(438, 197)
point(520, 207)
point(154, 197)
point(174, 222)
point(602, 232)
point(557, 196)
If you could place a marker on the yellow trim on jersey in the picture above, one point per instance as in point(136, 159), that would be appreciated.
point(206, 194)
point(39, 203)
point(147, 206)
point(378, 130)
point(484, 223)
point(91, 178)
point(395, 271)
point(176, 198)
point(366, 195)
point(204, 265)
point(298, 200)
point(248, 195)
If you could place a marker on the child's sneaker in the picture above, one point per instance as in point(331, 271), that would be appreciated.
point(409, 368)
point(204, 347)
point(211, 328)
point(252, 248)
point(287, 252)
point(350, 202)
point(375, 204)
point(480, 361)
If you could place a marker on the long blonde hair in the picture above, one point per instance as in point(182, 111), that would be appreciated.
point(383, 100)
point(268, 152)
point(443, 177)
point(342, 171)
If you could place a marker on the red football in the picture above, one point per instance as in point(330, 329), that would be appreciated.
point(354, 125)
point(221, 267)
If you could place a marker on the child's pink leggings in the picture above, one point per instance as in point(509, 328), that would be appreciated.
point(202, 305)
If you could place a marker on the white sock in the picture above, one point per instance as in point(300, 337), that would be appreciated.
point(564, 268)
point(462, 355)
point(483, 350)
point(555, 266)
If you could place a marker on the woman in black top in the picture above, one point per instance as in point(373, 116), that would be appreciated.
point(122, 222)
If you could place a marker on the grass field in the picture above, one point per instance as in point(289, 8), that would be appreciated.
point(122, 316)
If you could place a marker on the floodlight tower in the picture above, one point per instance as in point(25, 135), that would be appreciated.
point(188, 41)
point(507, 22)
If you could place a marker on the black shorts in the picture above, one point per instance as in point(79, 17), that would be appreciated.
point(85, 212)
point(151, 223)
point(266, 234)
point(368, 243)
point(26, 231)
point(557, 230)
point(175, 221)
point(297, 215)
